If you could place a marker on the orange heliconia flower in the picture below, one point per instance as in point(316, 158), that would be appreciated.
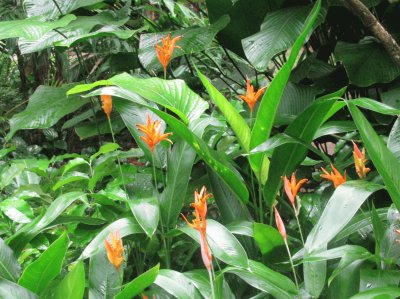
point(251, 97)
point(279, 224)
point(106, 100)
point(152, 130)
point(166, 49)
point(336, 177)
point(292, 187)
point(359, 161)
point(200, 224)
point(115, 249)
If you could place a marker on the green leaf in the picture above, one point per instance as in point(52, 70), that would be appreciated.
point(31, 28)
point(46, 107)
point(137, 285)
point(24, 235)
point(201, 281)
point(278, 33)
point(241, 227)
point(104, 149)
point(194, 40)
point(78, 30)
point(267, 280)
point(270, 101)
point(9, 173)
point(38, 275)
point(180, 163)
point(246, 17)
point(49, 9)
point(335, 127)
point(172, 94)
point(9, 266)
point(394, 139)
point(214, 159)
point(381, 293)
point(223, 244)
point(73, 284)
point(11, 290)
point(176, 284)
point(146, 212)
point(339, 211)
point(267, 237)
point(125, 227)
point(376, 106)
point(285, 158)
point(385, 162)
point(104, 281)
point(70, 177)
point(366, 63)
point(229, 204)
point(375, 278)
point(232, 116)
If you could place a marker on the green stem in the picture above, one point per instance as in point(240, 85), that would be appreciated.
point(165, 73)
point(291, 262)
point(210, 275)
point(260, 203)
point(298, 223)
point(119, 162)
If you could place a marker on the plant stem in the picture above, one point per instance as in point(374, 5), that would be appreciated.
point(260, 203)
point(165, 74)
point(119, 162)
point(210, 275)
point(291, 262)
point(298, 223)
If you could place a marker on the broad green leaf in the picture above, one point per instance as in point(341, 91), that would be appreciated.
point(270, 101)
point(38, 275)
point(376, 106)
point(8, 174)
point(335, 127)
point(176, 284)
point(89, 129)
point(214, 159)
point(385, 162)
point(375, 278)
point(46, 107)
point(172, 94)
point(201, 281)
point(70, 177)
point(31, 28)
point(241, 227)
point(180, 163)
point(137, 285)
point(194, 40)
point(223, 244)
point(267, 237)
point(267, 280)
point(104, 279)
point(9, 266)
point(24, 235)
point(279, 31)
point(340, 209)
point(79, 29)
point(49, 9)
point(125, 227)
point(229, 204)
point(104, 149)
point(73, 284)
point(381, 293)
point(18, 210)
point(232, 116)
point(11, 290)
point(74, 163)
point(346, 283)
point(366, 63)
point(146, 212)
point(285, 158)
point(246, 17)
point(394, 139)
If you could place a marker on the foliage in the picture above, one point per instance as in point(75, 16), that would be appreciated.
point(90, 208)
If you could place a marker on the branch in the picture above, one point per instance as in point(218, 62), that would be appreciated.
point(371, 23)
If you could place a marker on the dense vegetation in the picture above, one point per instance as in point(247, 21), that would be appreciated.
point(199, 149)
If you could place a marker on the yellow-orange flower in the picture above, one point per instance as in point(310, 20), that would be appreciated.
point(106, 100)
point(359, 161)
point(292, 187)
point(166, 49)
point(200, 224)
point(152, 130)
point(251, 97)
point(279, 224)
point(114, 249)
point(336, 177)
